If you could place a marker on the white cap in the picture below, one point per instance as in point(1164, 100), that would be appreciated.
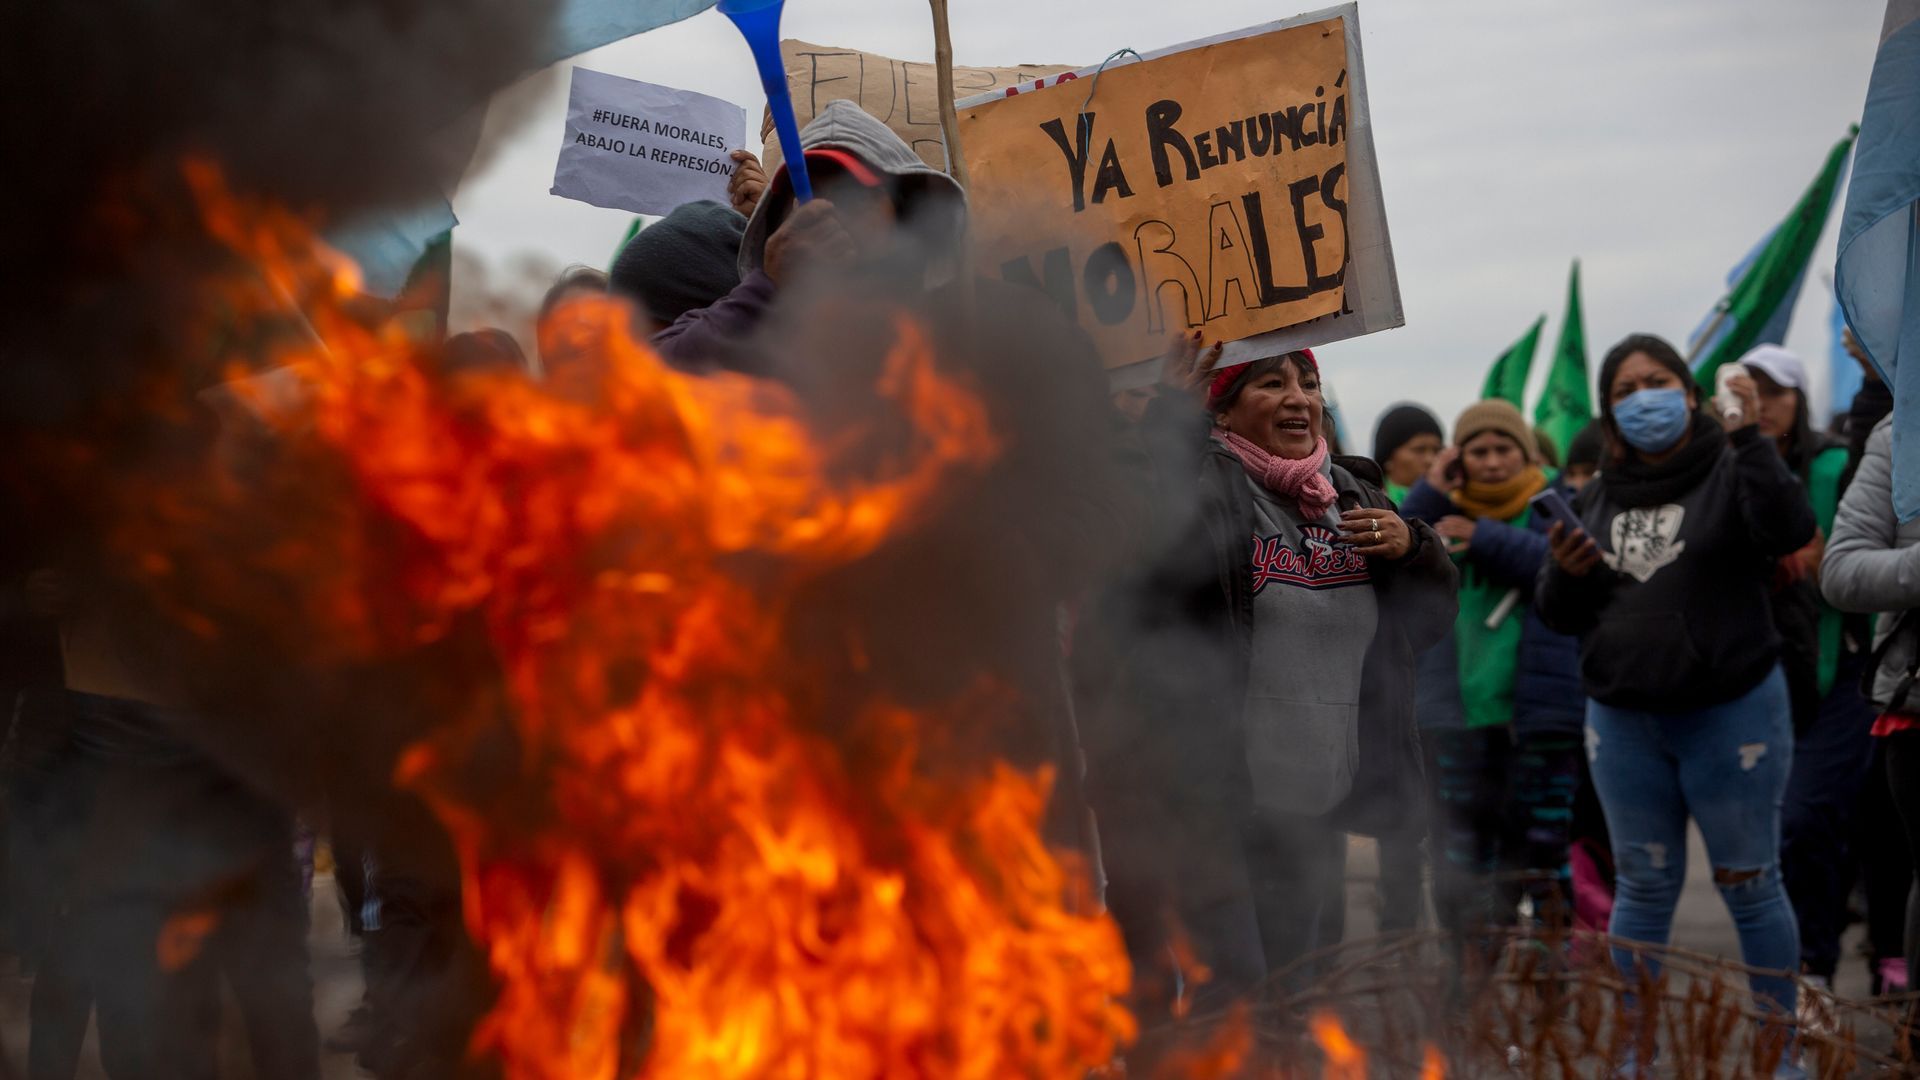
point(1777, 364)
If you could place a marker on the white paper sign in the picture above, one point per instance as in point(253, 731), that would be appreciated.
point(635, 146)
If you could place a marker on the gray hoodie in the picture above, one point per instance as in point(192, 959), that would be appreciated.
point(844, 126)
point(930, 199)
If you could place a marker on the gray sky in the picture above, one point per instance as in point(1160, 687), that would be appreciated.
point(1655, 139)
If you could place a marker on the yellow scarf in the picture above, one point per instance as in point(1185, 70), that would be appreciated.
point(1501, 502)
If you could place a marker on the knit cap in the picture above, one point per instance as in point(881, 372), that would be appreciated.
point(1400, 426)
point(683, 262)
point(1494, 414)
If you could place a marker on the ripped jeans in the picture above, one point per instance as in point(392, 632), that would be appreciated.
point(1727, 766)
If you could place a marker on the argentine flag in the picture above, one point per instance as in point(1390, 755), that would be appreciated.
point(1877, 276)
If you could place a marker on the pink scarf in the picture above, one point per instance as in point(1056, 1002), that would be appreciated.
point(1299, 479)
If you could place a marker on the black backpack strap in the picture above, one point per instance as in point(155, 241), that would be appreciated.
point(1879, 655)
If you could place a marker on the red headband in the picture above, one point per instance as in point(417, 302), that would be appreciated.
point(1223, 379)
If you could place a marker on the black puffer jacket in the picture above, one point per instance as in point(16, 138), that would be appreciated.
point(1181, 639)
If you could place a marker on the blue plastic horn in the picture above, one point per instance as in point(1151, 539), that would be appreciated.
point(759, 22)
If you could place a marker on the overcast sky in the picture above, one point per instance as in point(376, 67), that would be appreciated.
point(1657, 140)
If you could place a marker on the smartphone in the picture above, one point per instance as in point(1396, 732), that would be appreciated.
point(1554, 507)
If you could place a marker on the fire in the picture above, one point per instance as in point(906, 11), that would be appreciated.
point(684, 874)
point(1344, 1058)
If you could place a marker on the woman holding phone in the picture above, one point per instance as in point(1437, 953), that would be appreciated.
point(1498, 701)
point(1667, 584)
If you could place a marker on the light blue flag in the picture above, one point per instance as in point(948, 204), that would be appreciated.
point(1877, 276)
point(1843, 374)
point(581, 25)
point(388, 243)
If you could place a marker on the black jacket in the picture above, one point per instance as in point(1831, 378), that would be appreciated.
point(1182, 639)
point(1678, 617)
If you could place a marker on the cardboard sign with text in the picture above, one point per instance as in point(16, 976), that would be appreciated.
point(1211, 186)
point(902, 95)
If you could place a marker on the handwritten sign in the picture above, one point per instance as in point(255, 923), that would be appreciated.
point(636, 146)
point(902, 95)
point(1208, 186)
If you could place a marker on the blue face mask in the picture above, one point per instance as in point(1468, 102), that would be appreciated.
point(1653, 420)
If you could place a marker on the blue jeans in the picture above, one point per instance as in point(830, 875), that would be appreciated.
point(1727, 766)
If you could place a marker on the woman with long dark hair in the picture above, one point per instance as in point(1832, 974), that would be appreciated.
point(1667, 583)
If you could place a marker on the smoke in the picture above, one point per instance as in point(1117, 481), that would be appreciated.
point(326, 105)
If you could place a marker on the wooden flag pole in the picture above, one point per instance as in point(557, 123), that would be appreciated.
point(943, 72)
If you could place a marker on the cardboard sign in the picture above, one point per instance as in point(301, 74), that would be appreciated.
point(1219, 185)
point(635, 146)
point(902, 95)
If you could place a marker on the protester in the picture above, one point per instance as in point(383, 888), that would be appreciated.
point(565, 330)
point(167, 872)
point(829, 291)
point(1590, 855)
point(486, 349)
point(681, 263)
point(879, 211)
point(1886, 866)
point(1833, 744)
point(1667, 585)
point(1132, 404)
point(1404, 443)
point(1544, 449)
point(1499, 701)
point(1871, 566)
point(1265, 697)
point(1583, 456)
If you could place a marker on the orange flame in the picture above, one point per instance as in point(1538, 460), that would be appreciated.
point(183, 936)
point(707, 885)
point(1344, 1058)
point(1433, 1064)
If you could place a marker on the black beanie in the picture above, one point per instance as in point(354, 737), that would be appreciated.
point(1586, 447)
point(683, 262)
point(1400, 426)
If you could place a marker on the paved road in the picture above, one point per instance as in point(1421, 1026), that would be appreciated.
point(1702, 925)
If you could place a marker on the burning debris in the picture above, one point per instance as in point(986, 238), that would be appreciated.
point(675, 861)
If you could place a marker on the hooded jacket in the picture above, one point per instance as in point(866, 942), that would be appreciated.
point(1677, 617)
point(930, 203)
point(1872, 564)
point(1546, 686)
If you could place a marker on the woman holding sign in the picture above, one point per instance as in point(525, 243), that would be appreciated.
point(1266, 702)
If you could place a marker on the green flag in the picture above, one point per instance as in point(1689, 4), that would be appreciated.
point(1507, 378)
point(633, 230)
point(1760, 301)
point(1566, 405)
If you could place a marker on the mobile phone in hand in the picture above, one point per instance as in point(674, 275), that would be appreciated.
point(1554, 507)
